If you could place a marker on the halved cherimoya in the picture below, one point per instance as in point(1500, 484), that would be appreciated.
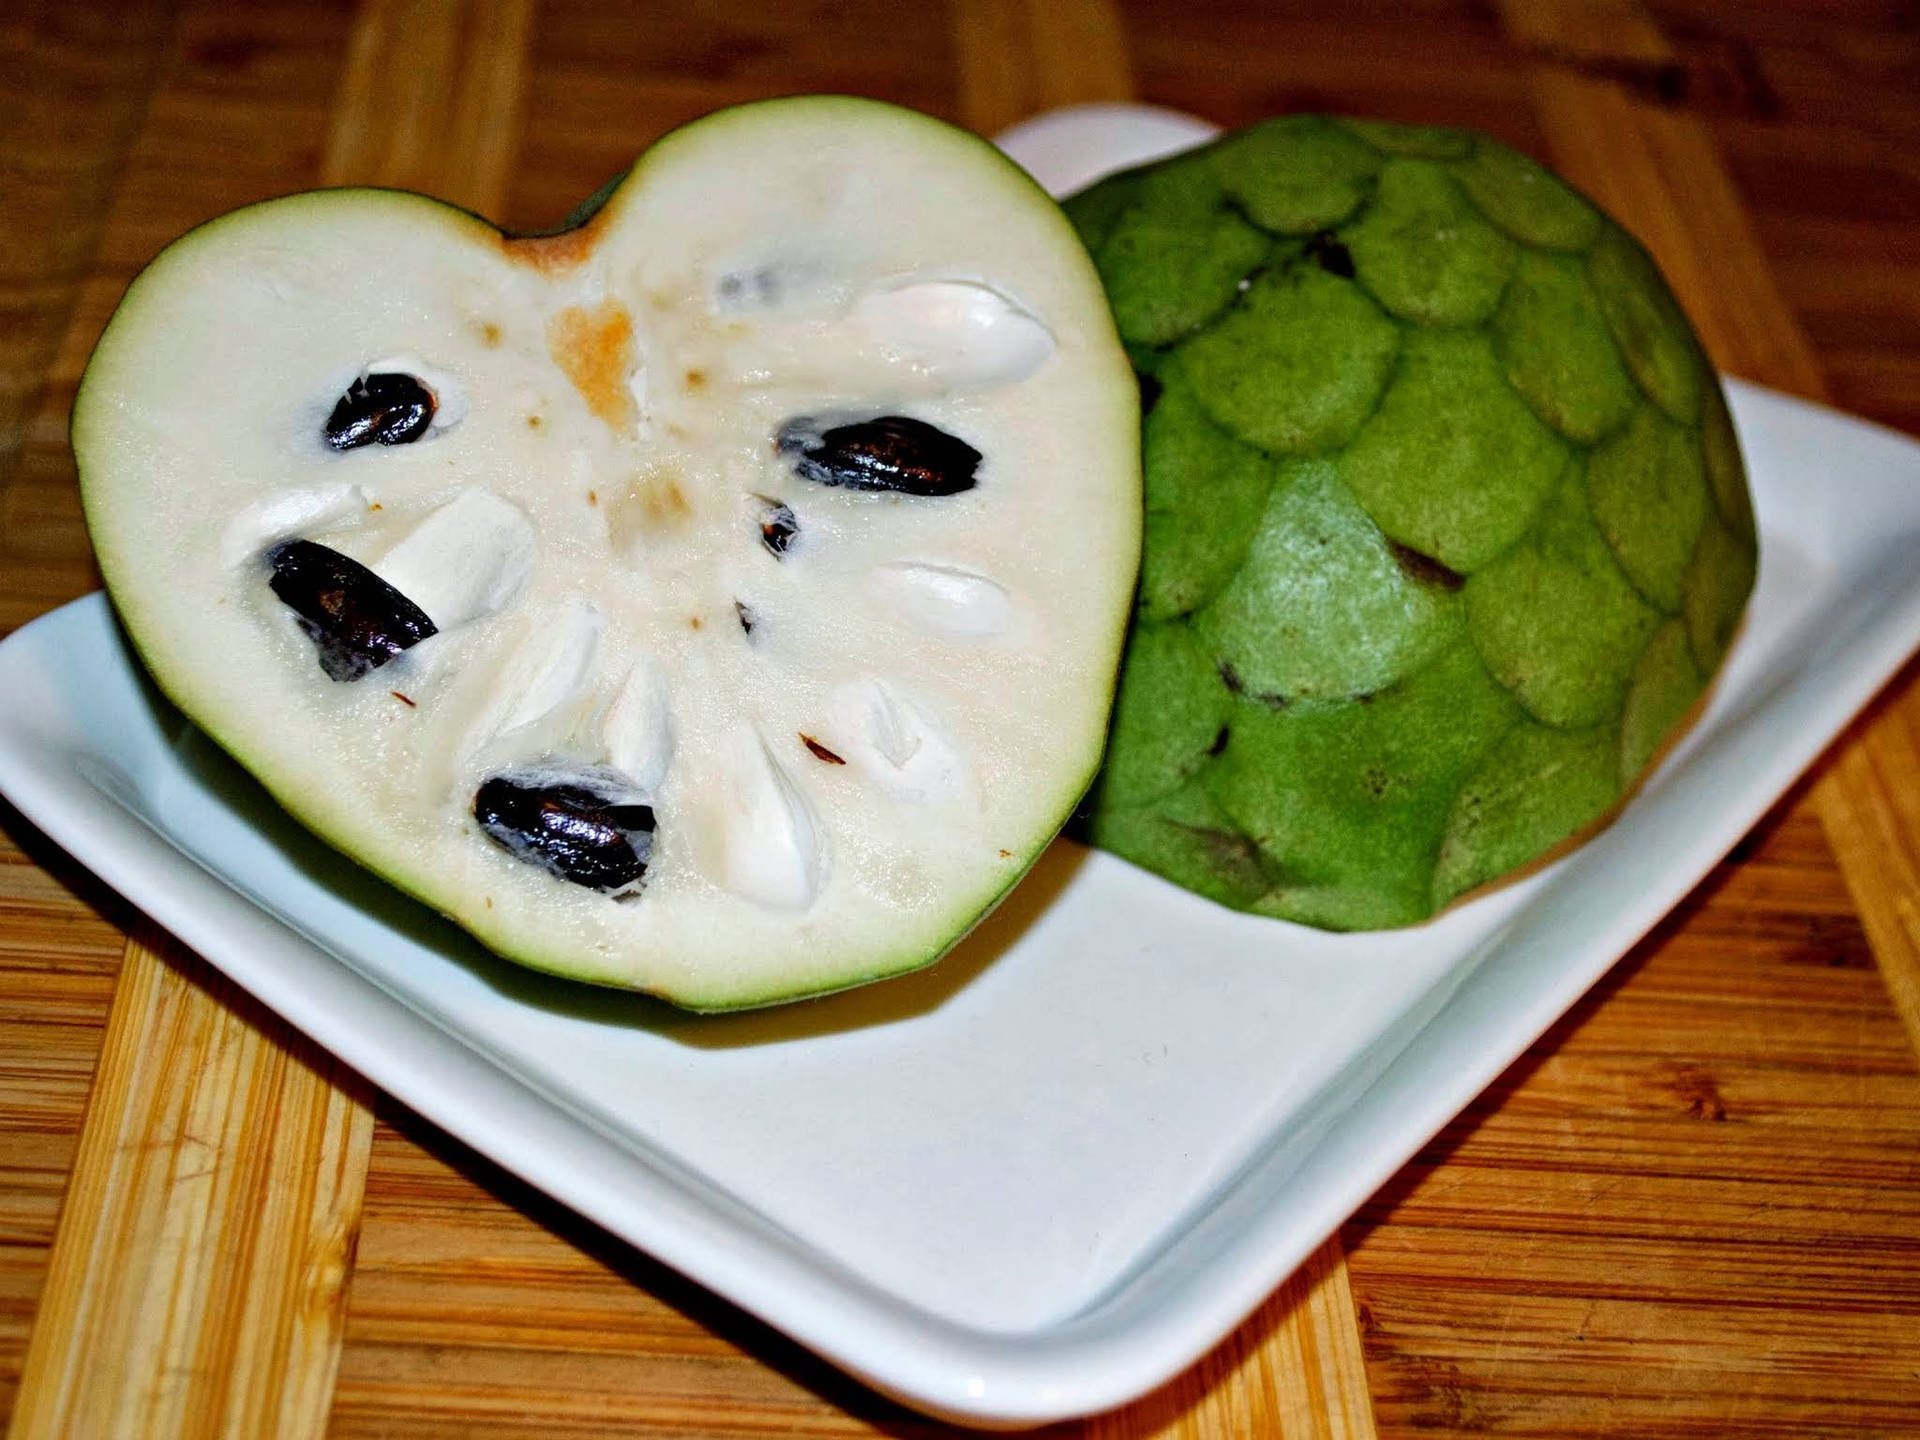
point(720, 599)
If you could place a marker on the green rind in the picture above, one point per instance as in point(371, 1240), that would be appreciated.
point(1203, 506)
point(1554, 618)
point(1422, 250)
point(116, 351)
point(1296, 365)
point(1319, 608)
point(1532, 420)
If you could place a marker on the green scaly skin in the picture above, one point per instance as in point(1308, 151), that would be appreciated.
point(1446, 531)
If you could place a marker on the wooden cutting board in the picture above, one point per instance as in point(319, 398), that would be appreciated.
point(1691, 1209)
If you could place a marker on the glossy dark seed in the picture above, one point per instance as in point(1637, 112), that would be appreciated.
point(580, 829)
point(892, 453)
point(778, 526)
point(745, 612)
point(357, 620)
point(386, 408)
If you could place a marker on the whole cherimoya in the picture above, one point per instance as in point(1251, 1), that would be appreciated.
point(721, 598)
point(1446, 525)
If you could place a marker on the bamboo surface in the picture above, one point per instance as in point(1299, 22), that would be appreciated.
point(197, 1286)
point(1691, 1209)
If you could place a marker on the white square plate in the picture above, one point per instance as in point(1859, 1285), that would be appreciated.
point(1039, 1179)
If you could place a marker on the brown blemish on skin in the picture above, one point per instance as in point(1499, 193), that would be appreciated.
point(595, 350)
point(1424, 569)
point(820, 752)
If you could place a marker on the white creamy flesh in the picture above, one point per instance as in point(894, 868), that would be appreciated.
point(839, 791)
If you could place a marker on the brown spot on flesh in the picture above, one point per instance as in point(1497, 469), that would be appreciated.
point(661, 500)
point(552, 254)
point(404, 700)
point(820, 752)
point(593, 497)
point(489, 334)
point(695, 379)
point(1006, 854)
point(594, 348)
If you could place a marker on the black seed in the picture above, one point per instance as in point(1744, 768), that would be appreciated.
point(1219, 742)
point(745, 613)
point(1424, 568)
point(1150, 389)
point(386, 408)
point(778, 526)
point(1330, 254)
point(579, 829)
point(1230, 677)
point(357, 620)
point(891, 453)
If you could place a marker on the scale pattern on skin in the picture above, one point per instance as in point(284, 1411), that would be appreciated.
point(775, 529)
point(1446, 529)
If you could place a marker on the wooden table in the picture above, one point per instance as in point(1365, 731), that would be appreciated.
point(1692, 1209)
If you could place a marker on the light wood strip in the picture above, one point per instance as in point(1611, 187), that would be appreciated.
point(1658, 169)
point(1019, 57)
point(197, 1281)
point(75, 77)
point(197, 1284)
point(430, 99)
point(1295, 1368)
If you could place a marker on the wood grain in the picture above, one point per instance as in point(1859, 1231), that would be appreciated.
point(430, 99)
point(1660, 171)
point(59, 956)
point(76, 79)
point(1294, 1369)
point(198, 1280)
point(1019, 57)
